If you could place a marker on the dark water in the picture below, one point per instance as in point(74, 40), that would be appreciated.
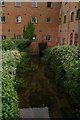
point(41, 90)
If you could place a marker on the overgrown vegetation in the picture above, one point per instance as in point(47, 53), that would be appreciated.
point(15, 59)
point(42, 46)
point(10, 59)
point(65, 61)
point(22, 69)
point(14, 66)
point(20, 45)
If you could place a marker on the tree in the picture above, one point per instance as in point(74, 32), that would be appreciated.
point(28, 31)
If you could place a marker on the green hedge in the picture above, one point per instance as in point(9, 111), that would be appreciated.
point(22, 69)
point(10, 59)
point(65, 61)
point(8, 45)
point(21, 45)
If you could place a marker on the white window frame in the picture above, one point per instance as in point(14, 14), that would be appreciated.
point(18, 19)
point(1, 2)
point(18, 3)
point(35, 19)
point(34, 3)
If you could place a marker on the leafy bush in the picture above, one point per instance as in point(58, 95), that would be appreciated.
point(42, 46)
point(65, 60)
point(8, 45)
point(23, 67)
point(10, 59)
point(22, 45)
point(9, 99)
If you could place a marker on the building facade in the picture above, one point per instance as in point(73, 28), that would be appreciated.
point(69, 25)
point(56, 23)
point(44, 15)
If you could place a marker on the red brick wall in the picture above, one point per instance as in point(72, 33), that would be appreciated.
point(26, 12)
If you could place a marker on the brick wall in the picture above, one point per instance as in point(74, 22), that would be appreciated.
point(42, 28)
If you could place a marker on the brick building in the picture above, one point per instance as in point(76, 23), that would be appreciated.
point(55, 22)
point(69, 27)
point(44, 15)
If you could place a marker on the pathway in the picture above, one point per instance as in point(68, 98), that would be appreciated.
point(41, 89)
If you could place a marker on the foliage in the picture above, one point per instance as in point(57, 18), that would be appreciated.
point(28, 31)
point(22, 44)
point(42, 46)
point(10, 59)
point(65, 60)
point(22, 69)
point(14, 66)
point(47, 55)
point(8, 45)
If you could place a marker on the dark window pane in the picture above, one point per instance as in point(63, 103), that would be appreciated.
point(48, 37)
point(3, 37)
point(65, 19)
point(72, 16)
point(49, 4)
point(78, 14)
point(71, 38)
point(76, 39)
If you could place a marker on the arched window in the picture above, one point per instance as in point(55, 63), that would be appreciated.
point(71, 38)
point(76, 39)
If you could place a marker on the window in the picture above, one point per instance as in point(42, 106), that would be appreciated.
point(34, 37)
point(71, 38)
point(1, 2)
point(48, 37)
point(78, 14)
point(18, 37)
point(2, 19)
point(18, 19)
point(34, 19)
point(72, 16)
point(3, 37)
point(76, 39)
point(34, 4)
point(49, 4)
point(63, 42)
point(49, 20)
point(17, 3)
point(66, 3)
point(65, 19)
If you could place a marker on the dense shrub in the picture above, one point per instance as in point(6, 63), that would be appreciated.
point(21, 45)
point(65, 60)
point(22, 69)
point(10, 59)
point(42, 46)
point(8, 45)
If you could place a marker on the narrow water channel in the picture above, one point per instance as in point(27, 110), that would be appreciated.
point(41, 90)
